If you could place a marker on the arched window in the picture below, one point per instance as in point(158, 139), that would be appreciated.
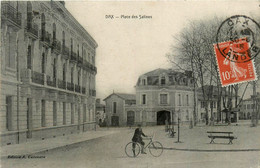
point(54, 31)
point(29, 15)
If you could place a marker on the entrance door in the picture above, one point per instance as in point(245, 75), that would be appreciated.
point(130, 118)
point(162, 116)
point(115, 121)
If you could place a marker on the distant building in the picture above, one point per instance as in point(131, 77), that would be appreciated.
point(115, 108)
point(162, 94)
point(47, 72)
point(247, 108)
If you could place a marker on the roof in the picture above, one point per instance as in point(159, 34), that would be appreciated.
point(124, 96)
point(160, 71)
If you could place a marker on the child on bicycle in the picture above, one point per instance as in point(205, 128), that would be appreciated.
point(138, 138)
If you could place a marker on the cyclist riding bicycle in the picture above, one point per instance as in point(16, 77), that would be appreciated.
point(138, 138)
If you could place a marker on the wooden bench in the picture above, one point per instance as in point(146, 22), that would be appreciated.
point(221, 135)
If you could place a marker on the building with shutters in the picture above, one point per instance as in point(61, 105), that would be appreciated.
point(162, 94)
point(47, 72)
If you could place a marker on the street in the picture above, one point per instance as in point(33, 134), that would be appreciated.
point(108, 151)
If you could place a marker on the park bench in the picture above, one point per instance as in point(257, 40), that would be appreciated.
point(221, 135)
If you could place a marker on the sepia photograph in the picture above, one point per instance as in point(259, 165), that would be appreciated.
point(130, 84)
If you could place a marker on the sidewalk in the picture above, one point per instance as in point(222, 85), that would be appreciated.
point(196, 139)
point(38, 146)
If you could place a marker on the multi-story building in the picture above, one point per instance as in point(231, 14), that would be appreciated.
point(47, 72)
point(162, 94)
point(247, 108)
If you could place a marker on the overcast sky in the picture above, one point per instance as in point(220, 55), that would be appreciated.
point(129, 48)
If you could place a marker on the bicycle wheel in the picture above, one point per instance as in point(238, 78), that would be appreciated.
point(156, 149)
point(132, 149)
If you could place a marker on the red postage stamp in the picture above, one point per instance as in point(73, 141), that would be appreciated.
point(234, 62)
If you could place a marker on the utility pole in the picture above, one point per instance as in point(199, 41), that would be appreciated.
point(255, 113)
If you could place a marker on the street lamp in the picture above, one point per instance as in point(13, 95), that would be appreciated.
point(178, 127)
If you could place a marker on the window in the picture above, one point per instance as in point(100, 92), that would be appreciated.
point(143, 82)
point(43, 62)
point(63, 38)
point(78, 51)
point(187, 115)
point(179, 99)
point(187, 99)
point(84, 113)
point(72, 113)
point(114, 107)
point(9, 113)
point(214, 104)
point(29, 15)
point(202, 104)
point(54, 109)
point(54, 31)
point(43, 24)
point(79, 77)
point(163, 80)
point(54, 70)
point(71, 45)
point(71, 75)
point(64, 113)
point(43, 123)
point(29, 57)
point(248, 106)
point(163, 99)
point(64, 72)
point(10, 53)
point(143, 99)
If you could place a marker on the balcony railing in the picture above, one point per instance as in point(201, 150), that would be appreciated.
point(83, 90)
point(32, 28)
point(73, 56)
point(46, 37)
point(56, 46)
point(77, 88)
point(11, 14)
point(62, 84)
point(51, 82)
point(70, 86)
point(92, 92)
point(65, 52)
point(38, 77)
point(80, 61)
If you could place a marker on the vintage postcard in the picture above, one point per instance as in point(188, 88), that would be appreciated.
point(130, 84)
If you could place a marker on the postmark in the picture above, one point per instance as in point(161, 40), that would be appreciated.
point(232, 72)
point(232, 30)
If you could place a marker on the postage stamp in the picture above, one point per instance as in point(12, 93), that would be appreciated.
point(234, 62)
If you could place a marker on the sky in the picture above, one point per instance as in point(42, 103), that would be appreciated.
point(128, 47)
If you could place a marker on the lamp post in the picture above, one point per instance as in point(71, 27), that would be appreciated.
point(178, 127)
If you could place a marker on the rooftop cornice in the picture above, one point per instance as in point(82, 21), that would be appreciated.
point(75, 24)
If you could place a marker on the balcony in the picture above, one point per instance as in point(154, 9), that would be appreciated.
point(77, 88)
point(32, 30)
point(46, 38)
point(51, 82)
point(70, 86)
point(80, 61)
point(73, 56)
point(56, 46)
point(86, 65)
point(65, 52)
point(83, 90)
point(11, 15)
point(38, 78)
point(62, 84)
point(92, 92)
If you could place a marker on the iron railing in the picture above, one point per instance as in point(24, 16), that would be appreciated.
point(62, 84)
point(51, 82)
point(70, 86)
point(56, 45)
point(10, 13)
point(38, 77)
point(73, 56)
point(45, 37)
point(65, 52)
point(32, 28)
point(77, 88)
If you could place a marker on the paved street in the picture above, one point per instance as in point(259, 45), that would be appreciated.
point(108, 151)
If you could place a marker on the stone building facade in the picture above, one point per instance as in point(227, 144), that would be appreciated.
point(47, 72)
point(162, 94)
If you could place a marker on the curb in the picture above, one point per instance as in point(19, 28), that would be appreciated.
point(210, 150)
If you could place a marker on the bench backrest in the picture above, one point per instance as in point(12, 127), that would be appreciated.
point(220, 132)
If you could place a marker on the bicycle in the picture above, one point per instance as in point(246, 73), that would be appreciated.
point(133, 149)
